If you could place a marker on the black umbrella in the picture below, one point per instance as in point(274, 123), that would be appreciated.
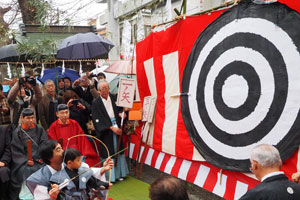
point(84, 46)
point(9, 53)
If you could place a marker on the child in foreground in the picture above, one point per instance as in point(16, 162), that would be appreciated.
point(83, 187)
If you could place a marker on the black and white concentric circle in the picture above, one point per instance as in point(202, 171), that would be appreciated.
point(244, 85)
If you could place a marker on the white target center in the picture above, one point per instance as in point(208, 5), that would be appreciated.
point(235, 91)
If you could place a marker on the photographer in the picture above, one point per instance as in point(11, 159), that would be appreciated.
point(82, 88)
point(79, 109)
point(24, 94)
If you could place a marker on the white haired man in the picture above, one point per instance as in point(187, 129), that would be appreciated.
point(265, 164)
point(107, 120)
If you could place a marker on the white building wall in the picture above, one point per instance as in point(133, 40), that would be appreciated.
point(117, 10)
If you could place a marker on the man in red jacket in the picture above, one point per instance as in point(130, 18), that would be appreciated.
point(64, 128)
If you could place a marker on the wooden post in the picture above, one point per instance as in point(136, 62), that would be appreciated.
point(138, 156)
point(144, 154)
point(29, 150)
point(120, 139)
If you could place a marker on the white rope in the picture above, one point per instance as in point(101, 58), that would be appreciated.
point(80, 69)
point(63, 68)
point(43, 69)
point(23, 71)
point(8, 71)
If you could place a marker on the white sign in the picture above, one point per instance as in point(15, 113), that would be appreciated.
point(146, 108)
point(126, 92)
point(149, 108)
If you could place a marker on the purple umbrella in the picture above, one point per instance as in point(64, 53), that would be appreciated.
point(9, 53)
point(84, 46)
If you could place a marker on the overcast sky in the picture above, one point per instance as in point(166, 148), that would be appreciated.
point(78, 10)
point(81, 10)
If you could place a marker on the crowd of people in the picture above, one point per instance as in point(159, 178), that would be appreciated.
point(45, 141)
point(55, 115)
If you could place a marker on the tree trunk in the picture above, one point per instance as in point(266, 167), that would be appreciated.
point(28, 12)
point(4, 26)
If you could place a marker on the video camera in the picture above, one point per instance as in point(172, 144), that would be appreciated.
point(27, 79)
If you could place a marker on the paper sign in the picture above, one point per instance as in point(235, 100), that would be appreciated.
point(146, 108)
point(152, 109)
point(126, 92)
point(149, 108)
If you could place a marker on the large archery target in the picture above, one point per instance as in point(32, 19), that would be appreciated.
point(243, 81)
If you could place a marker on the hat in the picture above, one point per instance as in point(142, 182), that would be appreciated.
point(62, 107)
point(27, 112)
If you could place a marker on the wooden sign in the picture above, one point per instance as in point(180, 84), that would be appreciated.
point(149, 108)
point(146, 108)
point(152, 109)
point(126, 92)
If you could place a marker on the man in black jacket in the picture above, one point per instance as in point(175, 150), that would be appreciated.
point(106, 118)
point(5, 157)
point(265, 164)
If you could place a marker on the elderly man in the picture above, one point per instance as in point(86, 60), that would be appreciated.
point(265, 164)
point(48, 105)
point(106, 119)
point(22, 165)
point(52, 154)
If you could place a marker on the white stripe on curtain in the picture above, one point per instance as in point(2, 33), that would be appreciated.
point(170, 66)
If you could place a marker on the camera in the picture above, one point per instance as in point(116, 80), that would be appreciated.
point(75, 102)
point(27, 79)
point(30, 80)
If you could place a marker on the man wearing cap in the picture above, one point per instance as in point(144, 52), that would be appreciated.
point(265, 164)
point(22, 166)
point(64, 128)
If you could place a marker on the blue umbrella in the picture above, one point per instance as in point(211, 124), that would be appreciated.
point(55, 73)
point(84, 46)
